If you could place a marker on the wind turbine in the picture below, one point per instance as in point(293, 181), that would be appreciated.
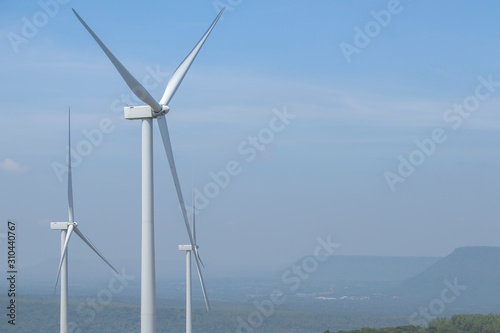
point(189, 249)
point(67, 228)
point(147, 113)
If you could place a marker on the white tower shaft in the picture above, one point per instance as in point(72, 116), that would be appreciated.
point(188, 249)
point(188, 291)
point(148, 281)
point(64, 287)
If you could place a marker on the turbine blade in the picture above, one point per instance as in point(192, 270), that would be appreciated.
point(199, 258)
point(205, 297)
point(181, 71)
point(131, 81)
point(70, 177)
point(162, 123)
point(89, 243)
point(196, 253)
point(64, 251)
point(194, 218)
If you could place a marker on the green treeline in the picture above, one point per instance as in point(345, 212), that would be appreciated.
point(474, 323)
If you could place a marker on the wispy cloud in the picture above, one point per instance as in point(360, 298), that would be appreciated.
point(10, 166)
point(255, 94)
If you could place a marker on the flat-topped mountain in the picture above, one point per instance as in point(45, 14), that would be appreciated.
point(470, 273)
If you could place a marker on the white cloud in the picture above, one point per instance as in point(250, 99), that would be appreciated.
point(10, 166)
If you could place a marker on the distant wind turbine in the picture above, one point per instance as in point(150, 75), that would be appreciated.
point(189, 249)
point(147, 113)
point(67, 228)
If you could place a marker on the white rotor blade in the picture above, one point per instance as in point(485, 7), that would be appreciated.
point(194, 232)
point(89, 243)
point(70, 178)
point(205, 297)
point(131, 81)
point(181, 71)
point(194, 219)
point(162, 123)
point(64, 251)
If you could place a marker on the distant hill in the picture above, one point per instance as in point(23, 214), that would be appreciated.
point(352, 277)
point(370, 268)
point(466, 281)
point(476, 271)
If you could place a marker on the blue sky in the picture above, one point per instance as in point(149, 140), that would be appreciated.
point(323, 174)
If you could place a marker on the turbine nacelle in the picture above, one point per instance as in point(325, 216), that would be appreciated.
point(185, 248)
point(144, 111)
point(61, 225)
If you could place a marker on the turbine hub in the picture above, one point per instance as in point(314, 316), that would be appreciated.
point(164, 110)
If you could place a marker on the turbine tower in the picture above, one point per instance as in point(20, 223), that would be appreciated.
point(188, 249)
point(154, 110)
point(67, 228)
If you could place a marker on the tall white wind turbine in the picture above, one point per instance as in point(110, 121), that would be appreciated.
point(67, 228)
point(189, 249)
point(147, 114)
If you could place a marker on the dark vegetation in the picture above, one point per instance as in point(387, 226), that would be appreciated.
point(473, 323)
point(41, 315)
